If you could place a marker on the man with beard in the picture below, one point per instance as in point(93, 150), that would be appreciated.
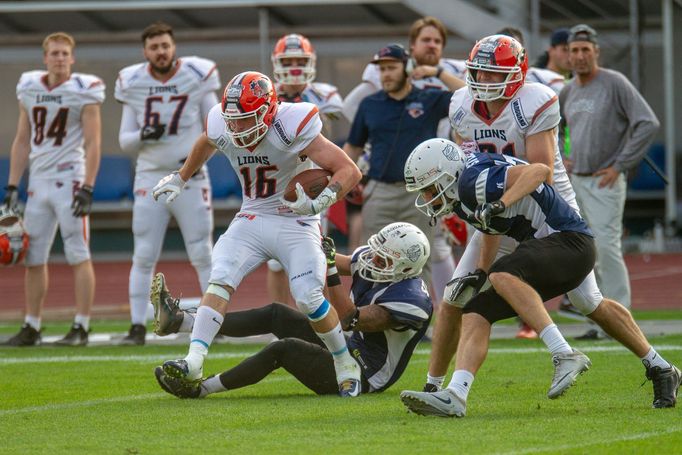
point(165, 101)
point(394, 121)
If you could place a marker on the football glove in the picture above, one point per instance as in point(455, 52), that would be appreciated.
point(329, 251)
point(303, 205)
point(82, 201)
point(460, 290)
point(485, 212)
point(455, 230)
point(11, 200)
point(171, 185)
point(152, 132)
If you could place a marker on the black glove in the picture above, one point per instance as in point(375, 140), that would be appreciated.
point(152, 132)
point(329, 251)
point(82, 201)
point(460, 290)
point(11, 200)
point(488, 210)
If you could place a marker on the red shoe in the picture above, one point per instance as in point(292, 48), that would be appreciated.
point(526, 332)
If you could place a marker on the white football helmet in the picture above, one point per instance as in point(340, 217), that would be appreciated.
point(433, 168)
point(13, 238)
point(397, 252)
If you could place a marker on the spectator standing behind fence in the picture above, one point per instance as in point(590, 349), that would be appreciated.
point(58, 138)
point(611, 127)
point(394, 121)
point(165, 102)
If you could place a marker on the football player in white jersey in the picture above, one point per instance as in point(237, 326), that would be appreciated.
point(264, 141)
point(58, 137)
point(165, 101)
point(427, 38)
point(500, 113)
point(293, 69)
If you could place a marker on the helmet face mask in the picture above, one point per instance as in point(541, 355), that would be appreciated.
point(397, 252)
point(290, 49)
point(13, 238)
point(248, 95)
point(433, 170)
point(496, 54)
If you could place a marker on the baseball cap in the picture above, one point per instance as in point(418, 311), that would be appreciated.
point(559, 36)
point(393, 51)
point(582, 32)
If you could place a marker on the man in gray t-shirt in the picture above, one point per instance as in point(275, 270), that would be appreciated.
point(611, 128)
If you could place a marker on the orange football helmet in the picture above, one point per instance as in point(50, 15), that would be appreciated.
point(289, 47)
point(498, 54)
point(13, 238)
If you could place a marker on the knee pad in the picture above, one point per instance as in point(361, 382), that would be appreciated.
point(314, 305)
point(275, 266)
point(586, 297)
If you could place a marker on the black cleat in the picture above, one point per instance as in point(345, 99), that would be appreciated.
point(179, 387)
point(27, 336)
point(135, 337)
point(179, 369)
point(430, 388)
point(167, 314)
point(77, 336)
point(666, 383)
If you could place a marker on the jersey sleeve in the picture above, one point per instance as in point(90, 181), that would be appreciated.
point(354, 258)
point(125, 78)
point(332, 103)
point(455, 67)
point(371, 75)
point(545, 113)
point(407, 303)
point(205, 71)
point(215, 127)
point(482, 183)
point(305, 125)
point(25, 81)
point(92, 88)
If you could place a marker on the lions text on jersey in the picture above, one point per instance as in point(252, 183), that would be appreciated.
point(533, 109)
point(175, 103)
point(55, 118)
point(383, 356)
point(536, 215)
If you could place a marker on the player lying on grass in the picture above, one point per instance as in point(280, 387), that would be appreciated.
point(501, 195)
point(388, 312)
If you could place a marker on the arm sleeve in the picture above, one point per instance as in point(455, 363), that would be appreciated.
point(355, 97)
point(358, 131)
point(129, 134)
point(642, 122)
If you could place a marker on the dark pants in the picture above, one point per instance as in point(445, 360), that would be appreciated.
point(299, 350)
point(552, 265)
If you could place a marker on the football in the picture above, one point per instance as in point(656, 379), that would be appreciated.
point(313, 181)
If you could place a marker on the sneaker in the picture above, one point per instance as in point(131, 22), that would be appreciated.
point(136, 336)
point(666, 383)
point(349, 388)
point(526, 332)
point(593, 335)
point(441, 404)
point(567, 368)
point(178, 387)
point(179, 369)
point(430, 388)
point(167, 314)
point(27, 336)
point(77, 336)
point(568, 310)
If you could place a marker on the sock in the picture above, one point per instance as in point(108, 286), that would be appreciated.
point(206, 326)
point(344, 364)
point(33, 321)
point(212, 385)
point(187, 322)
point(84, 321)
point(435, 380)
point(654, 359)
point(555, 341)
point(461, 382)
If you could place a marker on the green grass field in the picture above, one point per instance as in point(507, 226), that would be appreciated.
point(105, 400)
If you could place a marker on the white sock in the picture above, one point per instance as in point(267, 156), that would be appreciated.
point(138, 291)
point(654, 359)
point(435, 380)
point(206, 327)
point(441, 273)
point(212, 385)
point(187, 322)
point(84, 321)
point(33, 321)
point(461, 382)
point(555, 341)
point(336, 344)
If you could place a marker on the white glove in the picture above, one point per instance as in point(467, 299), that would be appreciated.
point(171, 185)
point(303, 205)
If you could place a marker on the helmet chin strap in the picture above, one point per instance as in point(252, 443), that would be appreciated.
point(433, 220)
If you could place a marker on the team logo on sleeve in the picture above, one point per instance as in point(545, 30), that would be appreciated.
point(518, 114)
point(457, 118)
point(281, 134)
point(415, 109)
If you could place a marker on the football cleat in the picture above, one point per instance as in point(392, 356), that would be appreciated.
point(27, 336)
point(180, 369)
point(430, 388)
point(77, 336)
point(443, 403)
point(136, 336)
point(593, 334)
point(349, 388)
point(567, 368)
point(167, 314)
point(178, 387)
point(666, 384)
point(526, 332)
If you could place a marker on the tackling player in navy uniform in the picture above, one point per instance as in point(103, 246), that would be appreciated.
point(388, 311)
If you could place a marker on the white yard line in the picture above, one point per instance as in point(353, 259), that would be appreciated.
point(80, 404)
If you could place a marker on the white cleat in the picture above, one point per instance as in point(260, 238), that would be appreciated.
point(567, 368)
point(441, 404)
